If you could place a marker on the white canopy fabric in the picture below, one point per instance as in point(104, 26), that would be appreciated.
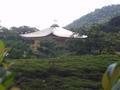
point(57, 31)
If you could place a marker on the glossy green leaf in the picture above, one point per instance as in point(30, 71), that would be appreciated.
point(111, 77)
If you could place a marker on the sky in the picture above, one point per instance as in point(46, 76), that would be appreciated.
point(43, 13)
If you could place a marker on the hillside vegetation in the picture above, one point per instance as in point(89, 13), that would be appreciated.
point(99, 16)
point(63, 73)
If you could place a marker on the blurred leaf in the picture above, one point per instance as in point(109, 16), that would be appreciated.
point(2, 45)
point(106, 82)
point(9, 79)
point(7, 65)
point(111, 77)
point(15, 88)
point(2, 87)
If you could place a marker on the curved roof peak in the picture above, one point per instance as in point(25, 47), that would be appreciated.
point(55, 25)
point(55, 30)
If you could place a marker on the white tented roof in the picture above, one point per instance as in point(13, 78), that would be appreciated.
point(55, 30)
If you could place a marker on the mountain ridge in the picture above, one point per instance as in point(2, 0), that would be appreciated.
point(98, 16)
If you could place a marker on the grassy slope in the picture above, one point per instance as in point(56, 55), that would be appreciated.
point(63, 73)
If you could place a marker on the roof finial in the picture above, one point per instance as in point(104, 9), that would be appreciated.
point(55, 23)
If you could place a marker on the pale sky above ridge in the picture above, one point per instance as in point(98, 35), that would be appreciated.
point(42, 13)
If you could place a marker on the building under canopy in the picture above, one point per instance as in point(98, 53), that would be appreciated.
point(55, 32)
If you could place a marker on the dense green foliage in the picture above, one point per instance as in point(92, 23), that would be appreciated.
point(6, 76)
point(113, 25)
point(99, 16)
point(63, 73)
point(20, 48)
point(98, 42)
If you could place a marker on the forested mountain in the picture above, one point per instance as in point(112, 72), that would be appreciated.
point(99, 16)
point(113, 25)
